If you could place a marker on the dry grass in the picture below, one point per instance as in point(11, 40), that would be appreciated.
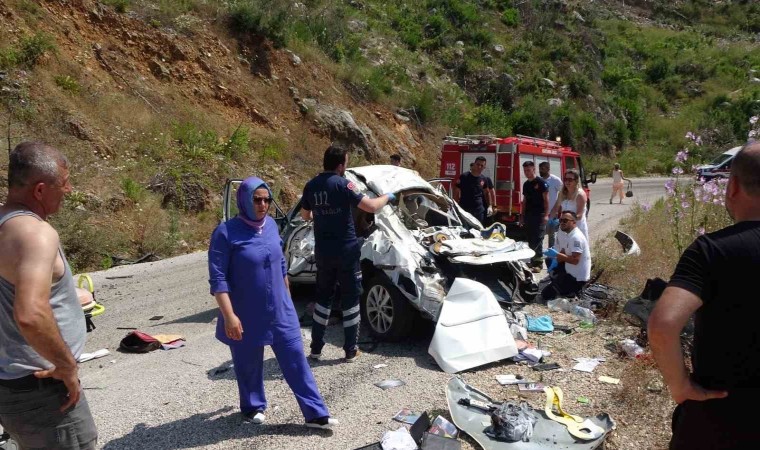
point(658, 258)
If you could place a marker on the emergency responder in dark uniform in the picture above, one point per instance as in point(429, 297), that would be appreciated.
point(472, 190)
point(328, 198)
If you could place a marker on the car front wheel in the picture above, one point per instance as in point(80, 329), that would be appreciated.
point(386, 311)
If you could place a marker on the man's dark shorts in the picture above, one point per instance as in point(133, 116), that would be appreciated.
point(33, 419)
point(728, 423)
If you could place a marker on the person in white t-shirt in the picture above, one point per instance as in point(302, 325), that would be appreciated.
point(571, 257)
point(555, 185)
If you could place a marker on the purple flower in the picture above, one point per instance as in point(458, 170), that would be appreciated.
point(646, 207)
point(689, 135)
point(698, 140)
point(670, 187)
point(682, 156)
point(701, 231)
point(684, 204)
point(753, 120)
point(677, 171)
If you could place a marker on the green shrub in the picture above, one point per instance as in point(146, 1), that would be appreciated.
point(272, 150)
point(579, 85)
point(237, 145)
point(193, 142)
point(119, 5)
point(8, 58)
point(132, 190)
point(67, 84)
point(258, 17)
point(510, 17)
point(529, 119)
point(658, 70)
point(423, 103)
point(488, 119)
point(30, 49)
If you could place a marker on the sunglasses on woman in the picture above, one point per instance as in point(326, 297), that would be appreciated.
point(262, 200)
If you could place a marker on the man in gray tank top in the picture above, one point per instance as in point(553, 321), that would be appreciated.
point(42, 328)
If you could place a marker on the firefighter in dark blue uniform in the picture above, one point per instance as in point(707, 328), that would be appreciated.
point(328, 199)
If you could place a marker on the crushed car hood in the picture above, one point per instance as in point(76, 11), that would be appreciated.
point(384, 179)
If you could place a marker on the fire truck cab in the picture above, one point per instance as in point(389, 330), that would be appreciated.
point(504, 160)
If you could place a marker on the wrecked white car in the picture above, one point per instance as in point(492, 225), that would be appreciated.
point(412, 252)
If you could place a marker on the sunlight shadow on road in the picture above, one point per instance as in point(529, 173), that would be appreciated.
point(203, 429)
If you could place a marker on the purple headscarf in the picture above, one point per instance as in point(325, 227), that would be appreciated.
point(245, 202)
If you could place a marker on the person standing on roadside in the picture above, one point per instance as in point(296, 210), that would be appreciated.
point(534, 211)
point(42, 328)
point(328, 199)
point(248, 277)
point(617, 183)
point(572, 198)
point(554, 183)
point(715, 281)
point(472, 190)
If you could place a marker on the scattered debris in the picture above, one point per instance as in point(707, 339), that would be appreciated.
point(544, 367)
point(406, 415)
point(587, 364)
point(583, 400)
point(379, 366)
point(471, 330)
point(398, 440)
point(388, 384)
point(630, 247)
point(610, 380)
point(119, 277)
point(84, 357)
point(531, 387)
point(156, 318)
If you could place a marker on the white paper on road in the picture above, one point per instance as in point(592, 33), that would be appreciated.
point(84, 357)
point(472, 329)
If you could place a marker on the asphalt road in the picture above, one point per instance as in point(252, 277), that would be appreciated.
point(187, 398)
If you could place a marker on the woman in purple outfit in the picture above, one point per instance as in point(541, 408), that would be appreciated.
point(248, 278)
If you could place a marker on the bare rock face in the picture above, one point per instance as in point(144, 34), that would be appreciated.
point(340, 126)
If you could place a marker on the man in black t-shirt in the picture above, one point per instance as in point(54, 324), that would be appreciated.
point(716, 280)
point(472, 190)
point(534, 212)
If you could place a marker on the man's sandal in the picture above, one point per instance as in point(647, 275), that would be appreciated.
point(576, 426)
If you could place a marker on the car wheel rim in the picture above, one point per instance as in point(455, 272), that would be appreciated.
point(379, 309)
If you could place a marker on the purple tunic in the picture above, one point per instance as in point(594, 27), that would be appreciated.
point(251, 268)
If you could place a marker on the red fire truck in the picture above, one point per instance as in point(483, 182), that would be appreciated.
point(504, 159)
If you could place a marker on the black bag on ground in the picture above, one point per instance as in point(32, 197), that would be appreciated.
point(139, 342)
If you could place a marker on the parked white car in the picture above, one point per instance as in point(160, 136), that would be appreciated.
point(413, 250)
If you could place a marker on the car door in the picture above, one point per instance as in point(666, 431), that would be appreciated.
point(297, 236)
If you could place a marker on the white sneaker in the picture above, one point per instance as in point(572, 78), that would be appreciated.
point(254, 417)
point(323, 423)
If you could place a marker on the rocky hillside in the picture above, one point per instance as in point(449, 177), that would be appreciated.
point(157, 102)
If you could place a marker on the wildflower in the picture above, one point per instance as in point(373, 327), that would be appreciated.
point(701, 231)
point(689, 135)
point(670, 187)
point(682, 156)
point(677, 171)
point(753, 120)
point(684, 204)
point(646, 207)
